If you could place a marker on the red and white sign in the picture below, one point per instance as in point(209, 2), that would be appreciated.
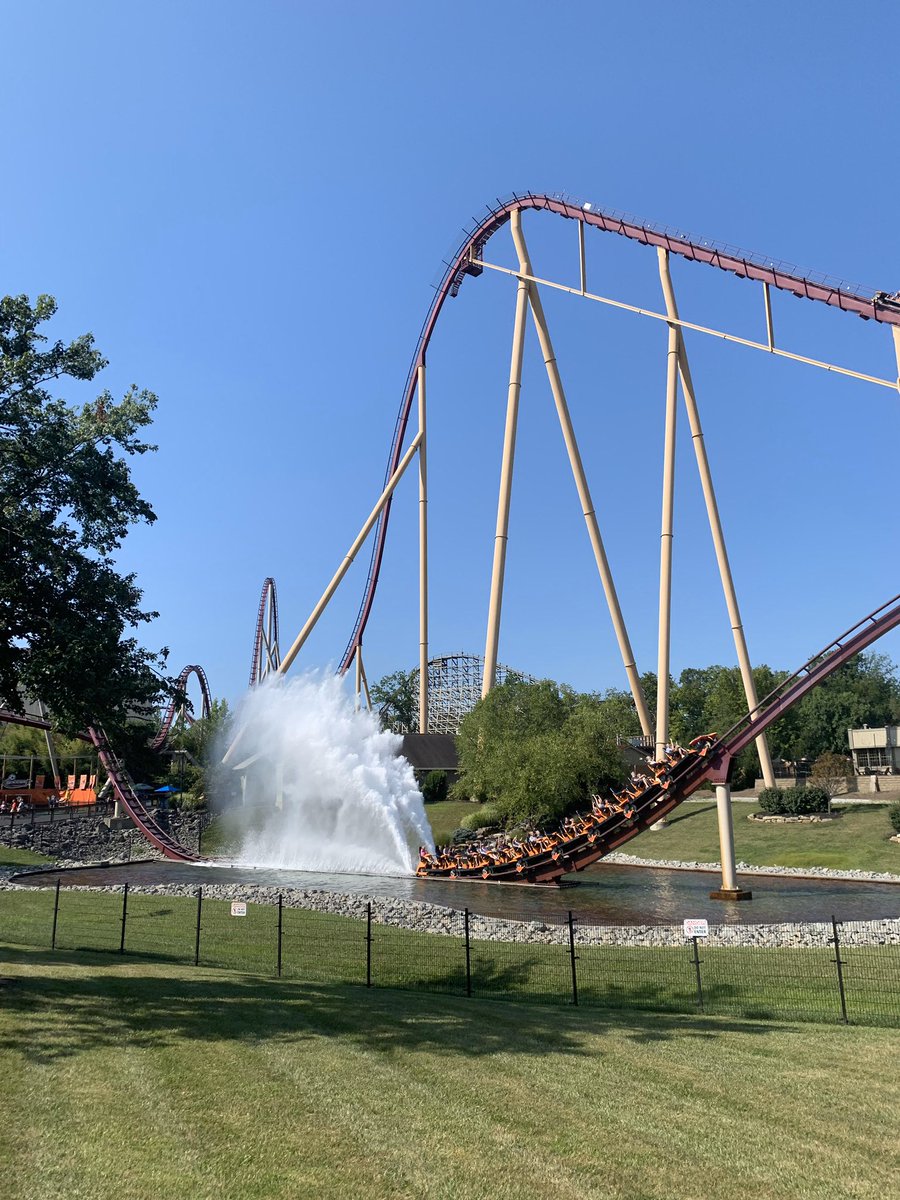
point(239, 908)
point(696, 927)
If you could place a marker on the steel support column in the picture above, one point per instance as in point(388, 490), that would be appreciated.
point(501, 535)
point(362, 672)
point(51, 748)
point(584, 493)
point(666, 538)
point(715, 523)
point(423, 559)
point(729, 889)
point(347, 561)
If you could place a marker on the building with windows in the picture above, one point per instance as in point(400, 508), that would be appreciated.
point(876, 750)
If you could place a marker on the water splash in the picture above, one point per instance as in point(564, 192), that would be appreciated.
point(325, 788)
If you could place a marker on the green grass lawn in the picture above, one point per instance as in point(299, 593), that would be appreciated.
point(141, 1080)
point(11, 857)
point(446, 816)
point(323, 948)
point(858, 840)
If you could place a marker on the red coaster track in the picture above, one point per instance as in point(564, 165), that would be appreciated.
point(876, 306)
point(176, 705)
point(713, 764)
point(123, 787)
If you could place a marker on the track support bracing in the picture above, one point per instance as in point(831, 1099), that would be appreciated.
point(349, 556)
point(501, 536)
point(715, 521)
point(423, 558)
point(666, 538)
point(581, 483)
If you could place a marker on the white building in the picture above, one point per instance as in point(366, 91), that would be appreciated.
point(876, 750)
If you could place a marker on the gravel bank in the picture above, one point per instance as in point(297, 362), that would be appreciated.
point(436, 919)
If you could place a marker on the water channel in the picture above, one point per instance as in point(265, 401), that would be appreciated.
point(606, 894)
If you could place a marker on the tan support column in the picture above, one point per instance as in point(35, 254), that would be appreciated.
point(501, 535)
point(895, 330)
point(715, 525)
point(584, 493)
point(729, 889)
point(423, 559)
point(365, 682)
point(51, 748)
point(338, 576)
point(348, 559)
point(666, 538)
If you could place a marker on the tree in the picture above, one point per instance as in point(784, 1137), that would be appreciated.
point(833, 772)
point(396, 697)
point(197, 763)
point(66, 503)
point(536, 751)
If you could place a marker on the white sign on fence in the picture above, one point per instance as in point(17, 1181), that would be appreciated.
point(239, 909)
point(696, 927)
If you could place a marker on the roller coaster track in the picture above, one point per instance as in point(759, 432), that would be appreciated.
point(713, 765)
point(123, 788)
point(176, 704)
point(877, 306)
point(266, 654)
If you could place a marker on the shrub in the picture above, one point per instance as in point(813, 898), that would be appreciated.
point(434, 786)
point(894, 817)
point(485, 816)
point(794, 801)
point(810, 799)
point(770, 800)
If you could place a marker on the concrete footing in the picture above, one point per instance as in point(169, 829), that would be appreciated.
point(118, 823)
point(731, 894)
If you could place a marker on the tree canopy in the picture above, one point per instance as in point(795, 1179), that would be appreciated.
point(396, 697)
point(536, 750)
point(67, 501)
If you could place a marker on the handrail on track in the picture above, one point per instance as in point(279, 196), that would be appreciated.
point(890, 608)
point(181, 683)
point(879, 306)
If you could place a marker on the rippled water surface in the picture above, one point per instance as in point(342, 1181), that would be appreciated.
point(603, 894)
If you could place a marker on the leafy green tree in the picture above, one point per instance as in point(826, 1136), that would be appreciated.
point(196, 765)
point(66, 503)
point(535, 751)
point(396, 697)
point(833, 772)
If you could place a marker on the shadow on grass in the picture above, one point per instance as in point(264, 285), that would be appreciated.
point(685, 814)
point(55, 1006)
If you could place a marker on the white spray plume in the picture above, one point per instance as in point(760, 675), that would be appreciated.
point(349, 802)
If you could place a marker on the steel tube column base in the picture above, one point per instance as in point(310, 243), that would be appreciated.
point(729, 889)
point(731, 894)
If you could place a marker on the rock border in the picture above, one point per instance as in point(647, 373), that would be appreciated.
point(422, 917)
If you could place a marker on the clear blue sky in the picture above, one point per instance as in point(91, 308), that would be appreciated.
point(247, 204)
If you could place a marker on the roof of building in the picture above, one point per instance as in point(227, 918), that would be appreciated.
point(430, 751)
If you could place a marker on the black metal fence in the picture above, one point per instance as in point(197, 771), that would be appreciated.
point(832, 972)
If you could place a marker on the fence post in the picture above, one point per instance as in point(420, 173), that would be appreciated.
point(369, 943)
point(573, 957)
point(197, 940)
point(279, 935)
point(468, 957)
point(124, 918)
point(696, 960)
point(840, 969)
point(55, 916)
